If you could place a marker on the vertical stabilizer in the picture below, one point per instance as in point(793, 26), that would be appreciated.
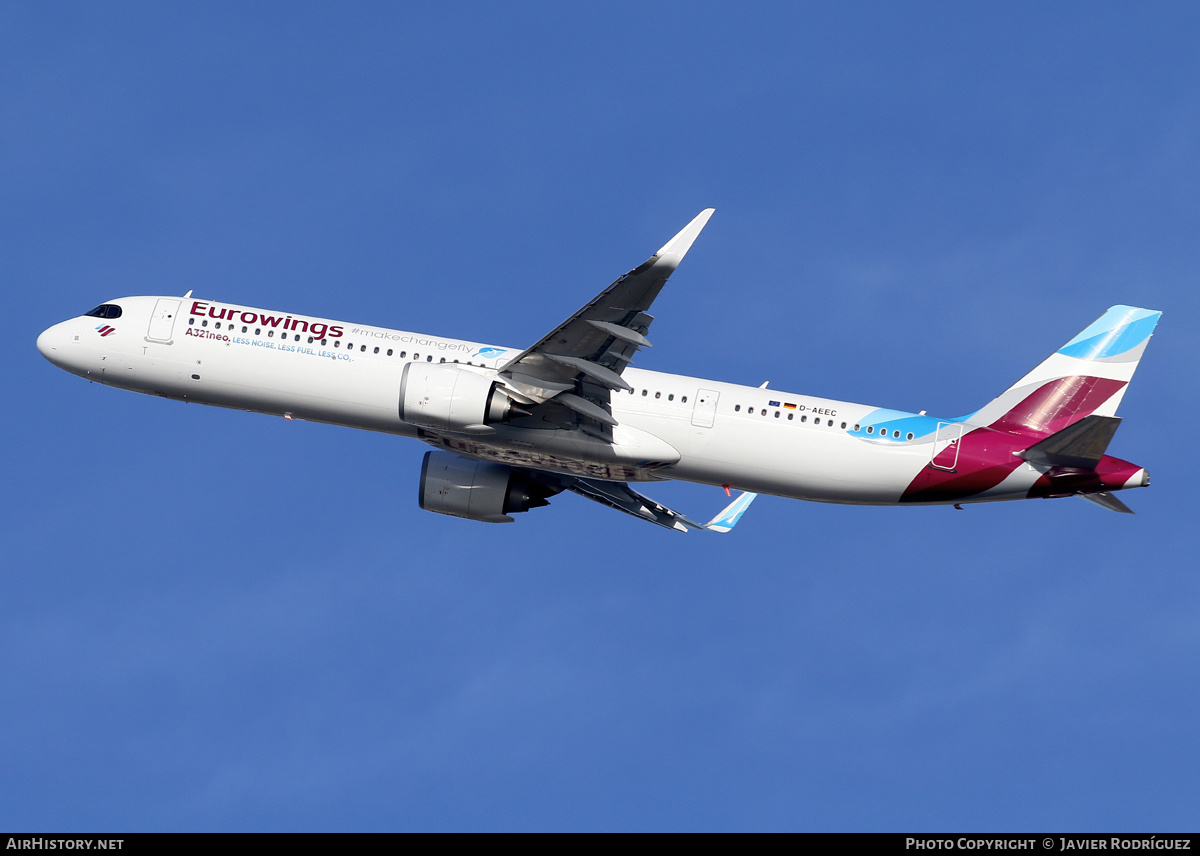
point(1086, 376)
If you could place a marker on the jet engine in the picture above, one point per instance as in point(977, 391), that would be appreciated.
point(477, 490)
point(449, 397)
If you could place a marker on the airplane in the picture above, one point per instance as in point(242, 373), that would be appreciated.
point(511, 428)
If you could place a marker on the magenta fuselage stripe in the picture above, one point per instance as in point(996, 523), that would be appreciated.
point(985, 455)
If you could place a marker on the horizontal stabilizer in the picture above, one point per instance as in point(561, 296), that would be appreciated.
point(1080, 445)
point(1107, 500)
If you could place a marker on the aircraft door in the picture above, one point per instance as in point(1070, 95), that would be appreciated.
point(945, 446)
point(162, 322)
point(704, 412)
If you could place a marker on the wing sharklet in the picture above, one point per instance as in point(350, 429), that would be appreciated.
point(731, 514)
point(683, 240)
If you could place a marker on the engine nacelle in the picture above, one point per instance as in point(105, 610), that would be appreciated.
point(449, 397)
point(477, 490)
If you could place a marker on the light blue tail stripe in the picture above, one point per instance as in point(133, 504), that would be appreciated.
point(1120, 329)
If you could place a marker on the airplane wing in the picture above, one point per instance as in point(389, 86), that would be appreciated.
point(580, 362)
point(622, 497)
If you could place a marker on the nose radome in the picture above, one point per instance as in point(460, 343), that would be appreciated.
point(45, 343)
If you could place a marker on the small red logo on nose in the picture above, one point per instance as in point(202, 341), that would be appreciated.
point(104, 330)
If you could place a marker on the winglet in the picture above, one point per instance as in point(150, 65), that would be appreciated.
point(728, 518)
point(681, 243)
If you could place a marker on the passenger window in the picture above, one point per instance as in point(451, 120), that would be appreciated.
point(671, 397)
point(736, 408)
point(684, 399)
point(764, 412)
point(258, 331)
point(658, 395)
point(270, 334)
point(776, 414)
point(910, 436)
point(830, 423)
point(323, 341)
point(191, 321)
point(429, 359)
point(790, 415)
point(389, 353)
point(337, 344)
point(645, 392)
point(402, 354)
point(870, 429)
point(204, 323)
point(804, 418)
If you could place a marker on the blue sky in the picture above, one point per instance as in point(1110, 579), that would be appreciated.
point(216, 621)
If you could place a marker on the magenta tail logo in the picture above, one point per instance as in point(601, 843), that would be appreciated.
point(105, 330)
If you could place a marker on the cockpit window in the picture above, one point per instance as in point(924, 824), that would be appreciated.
point(106, 310)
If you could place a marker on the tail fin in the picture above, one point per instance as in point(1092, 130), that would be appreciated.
point(1085, 377)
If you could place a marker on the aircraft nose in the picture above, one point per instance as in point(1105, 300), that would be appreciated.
point(45, 343)
point(51, 344)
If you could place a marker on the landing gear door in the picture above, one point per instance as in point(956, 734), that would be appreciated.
point(162, 322)
point(704, 412)
point(945, 446)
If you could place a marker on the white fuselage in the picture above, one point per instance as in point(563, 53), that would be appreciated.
point(760, 440)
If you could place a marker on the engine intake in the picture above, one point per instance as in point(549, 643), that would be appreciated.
point(477, 490)
point(449, 397)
